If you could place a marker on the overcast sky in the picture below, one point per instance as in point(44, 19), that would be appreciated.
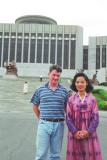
point(90, 14)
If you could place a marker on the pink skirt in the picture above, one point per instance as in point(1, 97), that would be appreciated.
point(87, 149)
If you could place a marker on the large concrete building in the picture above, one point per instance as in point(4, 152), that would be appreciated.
point(38, 41)
point(35, 42)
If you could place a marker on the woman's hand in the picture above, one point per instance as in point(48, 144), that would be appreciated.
point(84, 134)
point(77, 135)
point(81, 134)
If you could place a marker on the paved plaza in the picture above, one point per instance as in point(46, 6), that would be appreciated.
point(18, 123)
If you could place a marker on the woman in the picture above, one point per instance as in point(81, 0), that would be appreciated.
point(82, 121)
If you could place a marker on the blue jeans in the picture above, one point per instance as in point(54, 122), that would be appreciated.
point(49, 135)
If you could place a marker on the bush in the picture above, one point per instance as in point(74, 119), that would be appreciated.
point(102, 105)
point(98, 91)
point(102, 93)
point(101, 96)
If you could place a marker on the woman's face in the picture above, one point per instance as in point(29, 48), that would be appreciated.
point(81, 84)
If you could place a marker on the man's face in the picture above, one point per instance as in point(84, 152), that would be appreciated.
point(54, 77)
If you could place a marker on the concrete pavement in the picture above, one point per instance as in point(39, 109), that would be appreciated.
point(18, 123)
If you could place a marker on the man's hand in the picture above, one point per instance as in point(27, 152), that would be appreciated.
point(36, 111)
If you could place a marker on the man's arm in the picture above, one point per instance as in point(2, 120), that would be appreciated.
point(36, 110)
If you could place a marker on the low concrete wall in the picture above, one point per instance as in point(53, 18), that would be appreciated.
point(37, 69)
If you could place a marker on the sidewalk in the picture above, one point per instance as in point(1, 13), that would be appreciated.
point(103, 114)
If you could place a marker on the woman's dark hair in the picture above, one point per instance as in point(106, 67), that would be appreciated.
point(89, 86)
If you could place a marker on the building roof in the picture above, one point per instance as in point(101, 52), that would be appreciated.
point(35, 19)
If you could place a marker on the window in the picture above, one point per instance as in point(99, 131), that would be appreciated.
point(104, 56)
point(98, 57)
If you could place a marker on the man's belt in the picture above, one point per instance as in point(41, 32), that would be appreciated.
point(53, 120)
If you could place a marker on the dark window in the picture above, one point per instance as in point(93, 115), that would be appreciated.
point(39, 35)
point(12, 49)
point(13, 35)
point(1, 33)
point(6, 33)
point(19, 35)
point(25, 50)
point(59, 52)
point(52, 52)
point(97, 57)
point(19, 50)
point(104, 56)
point(59, 35)
point(0, 50)
point(66, 54)
point(32, 51)
point(33, 35)
point(46, 35)
point(85, 58)
point(46, 50)
point(53, 35)
point(72, 55)
point(39, 50)
point(26, 35)
point(66, 35)
point(5, 50)
point(73, 35)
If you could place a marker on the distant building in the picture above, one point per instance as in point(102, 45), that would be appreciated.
point(95, 56)
point(97, 52)
point(35, 42)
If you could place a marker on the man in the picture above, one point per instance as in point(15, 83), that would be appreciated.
point(49, 103)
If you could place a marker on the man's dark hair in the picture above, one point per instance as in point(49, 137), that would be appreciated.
point(55, 67)
point(89, 87)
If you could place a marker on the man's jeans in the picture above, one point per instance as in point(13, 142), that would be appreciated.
point(49, 135)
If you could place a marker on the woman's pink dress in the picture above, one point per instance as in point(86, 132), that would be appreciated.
point(83, 116)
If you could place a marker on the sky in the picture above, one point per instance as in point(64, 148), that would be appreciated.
point(89, 14)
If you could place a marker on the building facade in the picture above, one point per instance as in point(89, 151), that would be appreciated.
point(39, 40)
point(97, 52)
point(35, 42)
point(95, 56)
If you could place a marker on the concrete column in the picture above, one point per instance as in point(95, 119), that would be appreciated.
point(92, 53)
point(49, 44)
point(2, 48)
point(69, 51)
point(100, 56)
point(36, 46)
point(63, 48)
point(9, 43)
point(42, 43)
point(22, 44)
point(29, 44)
point(56, 48)
point(16, 46)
